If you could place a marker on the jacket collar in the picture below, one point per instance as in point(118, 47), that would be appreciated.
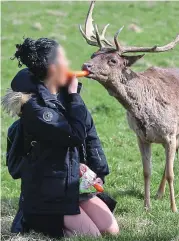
point(47, 97)
point(44, 93)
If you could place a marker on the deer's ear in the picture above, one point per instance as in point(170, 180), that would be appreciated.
point(130, 60)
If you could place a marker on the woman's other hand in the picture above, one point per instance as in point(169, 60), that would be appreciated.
point(73, 86)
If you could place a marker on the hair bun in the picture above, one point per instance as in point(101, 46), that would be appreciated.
point(37, 55)
point(26, 53)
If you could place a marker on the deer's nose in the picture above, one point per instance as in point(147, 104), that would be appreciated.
point(86, 66)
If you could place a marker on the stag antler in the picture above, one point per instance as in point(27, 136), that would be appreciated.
point(154, 49)
point(91, 33)
point(93, 37)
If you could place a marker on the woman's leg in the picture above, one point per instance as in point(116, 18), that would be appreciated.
point(100, 214)
point(80, 224)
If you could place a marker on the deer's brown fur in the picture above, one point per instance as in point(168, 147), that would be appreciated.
point(151, 99)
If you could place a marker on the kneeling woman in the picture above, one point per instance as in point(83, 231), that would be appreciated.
point(63, 135)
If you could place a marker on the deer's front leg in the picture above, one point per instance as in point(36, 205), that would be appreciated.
point(145, 149)
point(170, 149)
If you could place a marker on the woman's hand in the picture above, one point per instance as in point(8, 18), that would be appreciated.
point(83, 169)
point(73, 86)
point(99, 181)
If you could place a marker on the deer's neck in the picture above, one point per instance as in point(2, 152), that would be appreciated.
point(127, 90)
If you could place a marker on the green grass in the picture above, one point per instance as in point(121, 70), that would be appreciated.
point(159, 24)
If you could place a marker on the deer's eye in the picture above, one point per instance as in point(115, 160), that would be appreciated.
point(112, 61)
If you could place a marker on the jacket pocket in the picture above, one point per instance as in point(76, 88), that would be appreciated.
point(54, 186)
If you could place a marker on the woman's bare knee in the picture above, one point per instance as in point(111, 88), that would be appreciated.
point(80, 224)
point(114, 229)
point(100, 214)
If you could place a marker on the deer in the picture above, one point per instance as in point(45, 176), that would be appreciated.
point(151, 98)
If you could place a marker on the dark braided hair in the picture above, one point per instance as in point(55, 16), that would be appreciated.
point(37, 55)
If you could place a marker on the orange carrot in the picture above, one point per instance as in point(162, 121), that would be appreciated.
point(78, 74)
point(98, 187)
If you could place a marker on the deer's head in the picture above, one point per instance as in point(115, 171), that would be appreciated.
point(108, 65)
point(110, 62)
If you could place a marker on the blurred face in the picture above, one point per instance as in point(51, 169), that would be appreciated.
point(58, 71)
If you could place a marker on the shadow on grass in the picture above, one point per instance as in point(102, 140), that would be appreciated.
point(101, 109)
point(130, 192)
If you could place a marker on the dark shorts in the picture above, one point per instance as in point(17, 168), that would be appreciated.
point(51, 225)
point(86, 196)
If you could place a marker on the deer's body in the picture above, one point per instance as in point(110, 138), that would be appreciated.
point(151, 98)
point(152, 102)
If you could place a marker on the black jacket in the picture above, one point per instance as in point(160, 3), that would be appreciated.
point(63, 135)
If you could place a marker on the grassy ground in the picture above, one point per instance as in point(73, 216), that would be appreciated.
point(153, 23)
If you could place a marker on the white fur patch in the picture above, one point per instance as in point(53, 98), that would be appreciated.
point(13, 101)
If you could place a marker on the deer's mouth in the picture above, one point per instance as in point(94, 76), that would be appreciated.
point(94, 73)
point(91, 75)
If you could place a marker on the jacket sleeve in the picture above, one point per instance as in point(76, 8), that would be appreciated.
point(95, 156)
point(65, 130)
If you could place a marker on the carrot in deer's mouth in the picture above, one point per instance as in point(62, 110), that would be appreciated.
point(78, 74)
